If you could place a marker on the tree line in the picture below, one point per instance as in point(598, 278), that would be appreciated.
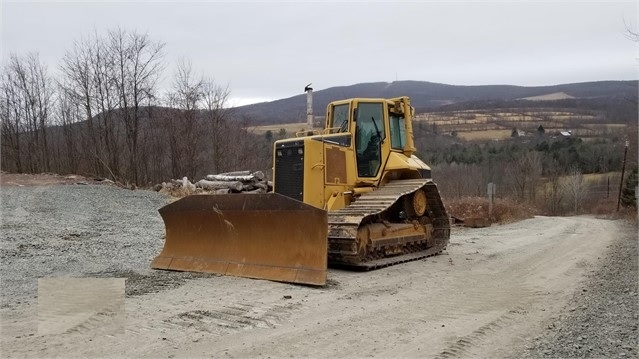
point(102, 113)
point(554, 174)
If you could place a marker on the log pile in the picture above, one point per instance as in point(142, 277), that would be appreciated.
point(223, 183)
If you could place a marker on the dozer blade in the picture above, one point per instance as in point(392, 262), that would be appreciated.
point(266, 236)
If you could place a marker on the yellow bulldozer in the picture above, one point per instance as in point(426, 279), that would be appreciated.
point(352, 195)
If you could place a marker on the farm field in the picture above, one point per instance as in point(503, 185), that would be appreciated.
point(485, 125)
point(476, 125)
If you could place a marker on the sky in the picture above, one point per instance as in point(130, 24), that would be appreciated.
point(265, 50)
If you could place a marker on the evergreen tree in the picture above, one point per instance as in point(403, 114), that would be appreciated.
point(628, 198)
point(540, 130)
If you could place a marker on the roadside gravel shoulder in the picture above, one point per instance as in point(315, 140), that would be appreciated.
point(77, 230)
point(602, 318)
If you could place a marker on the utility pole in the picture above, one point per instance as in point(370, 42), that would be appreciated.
point(623, 170)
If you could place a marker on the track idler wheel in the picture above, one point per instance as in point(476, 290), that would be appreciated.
point(415, 204)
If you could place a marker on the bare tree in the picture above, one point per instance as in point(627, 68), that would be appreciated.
point(138, 65)
point(106, 102)
point(553, 189)
point(575, 188)
point(461, 179)
point(524, 173)
point(27, 98)
point(68, 115)
point(12, 118)
point(184, 132)
point(112, 79)
point(78, 83)
point(631, 33)
point(216, 113)
point(246, 150)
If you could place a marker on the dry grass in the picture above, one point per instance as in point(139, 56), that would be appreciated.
point(602, 207)
point(628, 214)
point(504, 210)
point(605, 126)
point(592, 178)
point(176, 193)
point(484, 135)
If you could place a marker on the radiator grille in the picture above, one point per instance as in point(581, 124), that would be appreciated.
point(289, 169)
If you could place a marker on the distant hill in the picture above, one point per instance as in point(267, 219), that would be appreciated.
point(428, 96)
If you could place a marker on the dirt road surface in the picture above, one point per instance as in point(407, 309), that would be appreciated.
point(489, 295)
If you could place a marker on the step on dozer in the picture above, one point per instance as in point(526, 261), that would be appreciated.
point(266, 236)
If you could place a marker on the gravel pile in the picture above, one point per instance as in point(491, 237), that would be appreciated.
point(80, 231)
point(602, 319)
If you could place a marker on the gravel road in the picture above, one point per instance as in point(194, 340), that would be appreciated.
point(602, 318)
point(545, 287)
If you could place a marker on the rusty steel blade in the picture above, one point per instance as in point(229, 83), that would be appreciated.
point(266, 236)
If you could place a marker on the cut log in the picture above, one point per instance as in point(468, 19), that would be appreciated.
point(215, 185)
point(243, 176)
point(248, 187)
point(184, 183)
point(234, 173)
point(258, 174)
point(245, 179)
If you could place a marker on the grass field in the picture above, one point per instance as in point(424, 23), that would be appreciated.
point(482, 125)
point(484, 135)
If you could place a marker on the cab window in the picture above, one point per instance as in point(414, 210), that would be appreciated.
point(340, 117)
point(397, 131)
point(369, 135)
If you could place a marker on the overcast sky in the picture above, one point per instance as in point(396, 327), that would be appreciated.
point(270, 50)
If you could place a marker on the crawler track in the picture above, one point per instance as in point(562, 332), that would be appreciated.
point(383, 206)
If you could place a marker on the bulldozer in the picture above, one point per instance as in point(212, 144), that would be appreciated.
point(351, 195)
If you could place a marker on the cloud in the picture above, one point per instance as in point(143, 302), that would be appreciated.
point(267, 50)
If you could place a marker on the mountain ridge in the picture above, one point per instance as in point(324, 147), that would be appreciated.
point(428, 96)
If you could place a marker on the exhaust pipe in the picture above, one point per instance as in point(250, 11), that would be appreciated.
point(309, 106)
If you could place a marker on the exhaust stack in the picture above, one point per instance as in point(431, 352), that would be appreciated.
point(309, 106)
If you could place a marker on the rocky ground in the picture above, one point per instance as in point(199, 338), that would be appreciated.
point(547, 287)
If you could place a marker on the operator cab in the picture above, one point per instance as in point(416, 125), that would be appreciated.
point(368, 123)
